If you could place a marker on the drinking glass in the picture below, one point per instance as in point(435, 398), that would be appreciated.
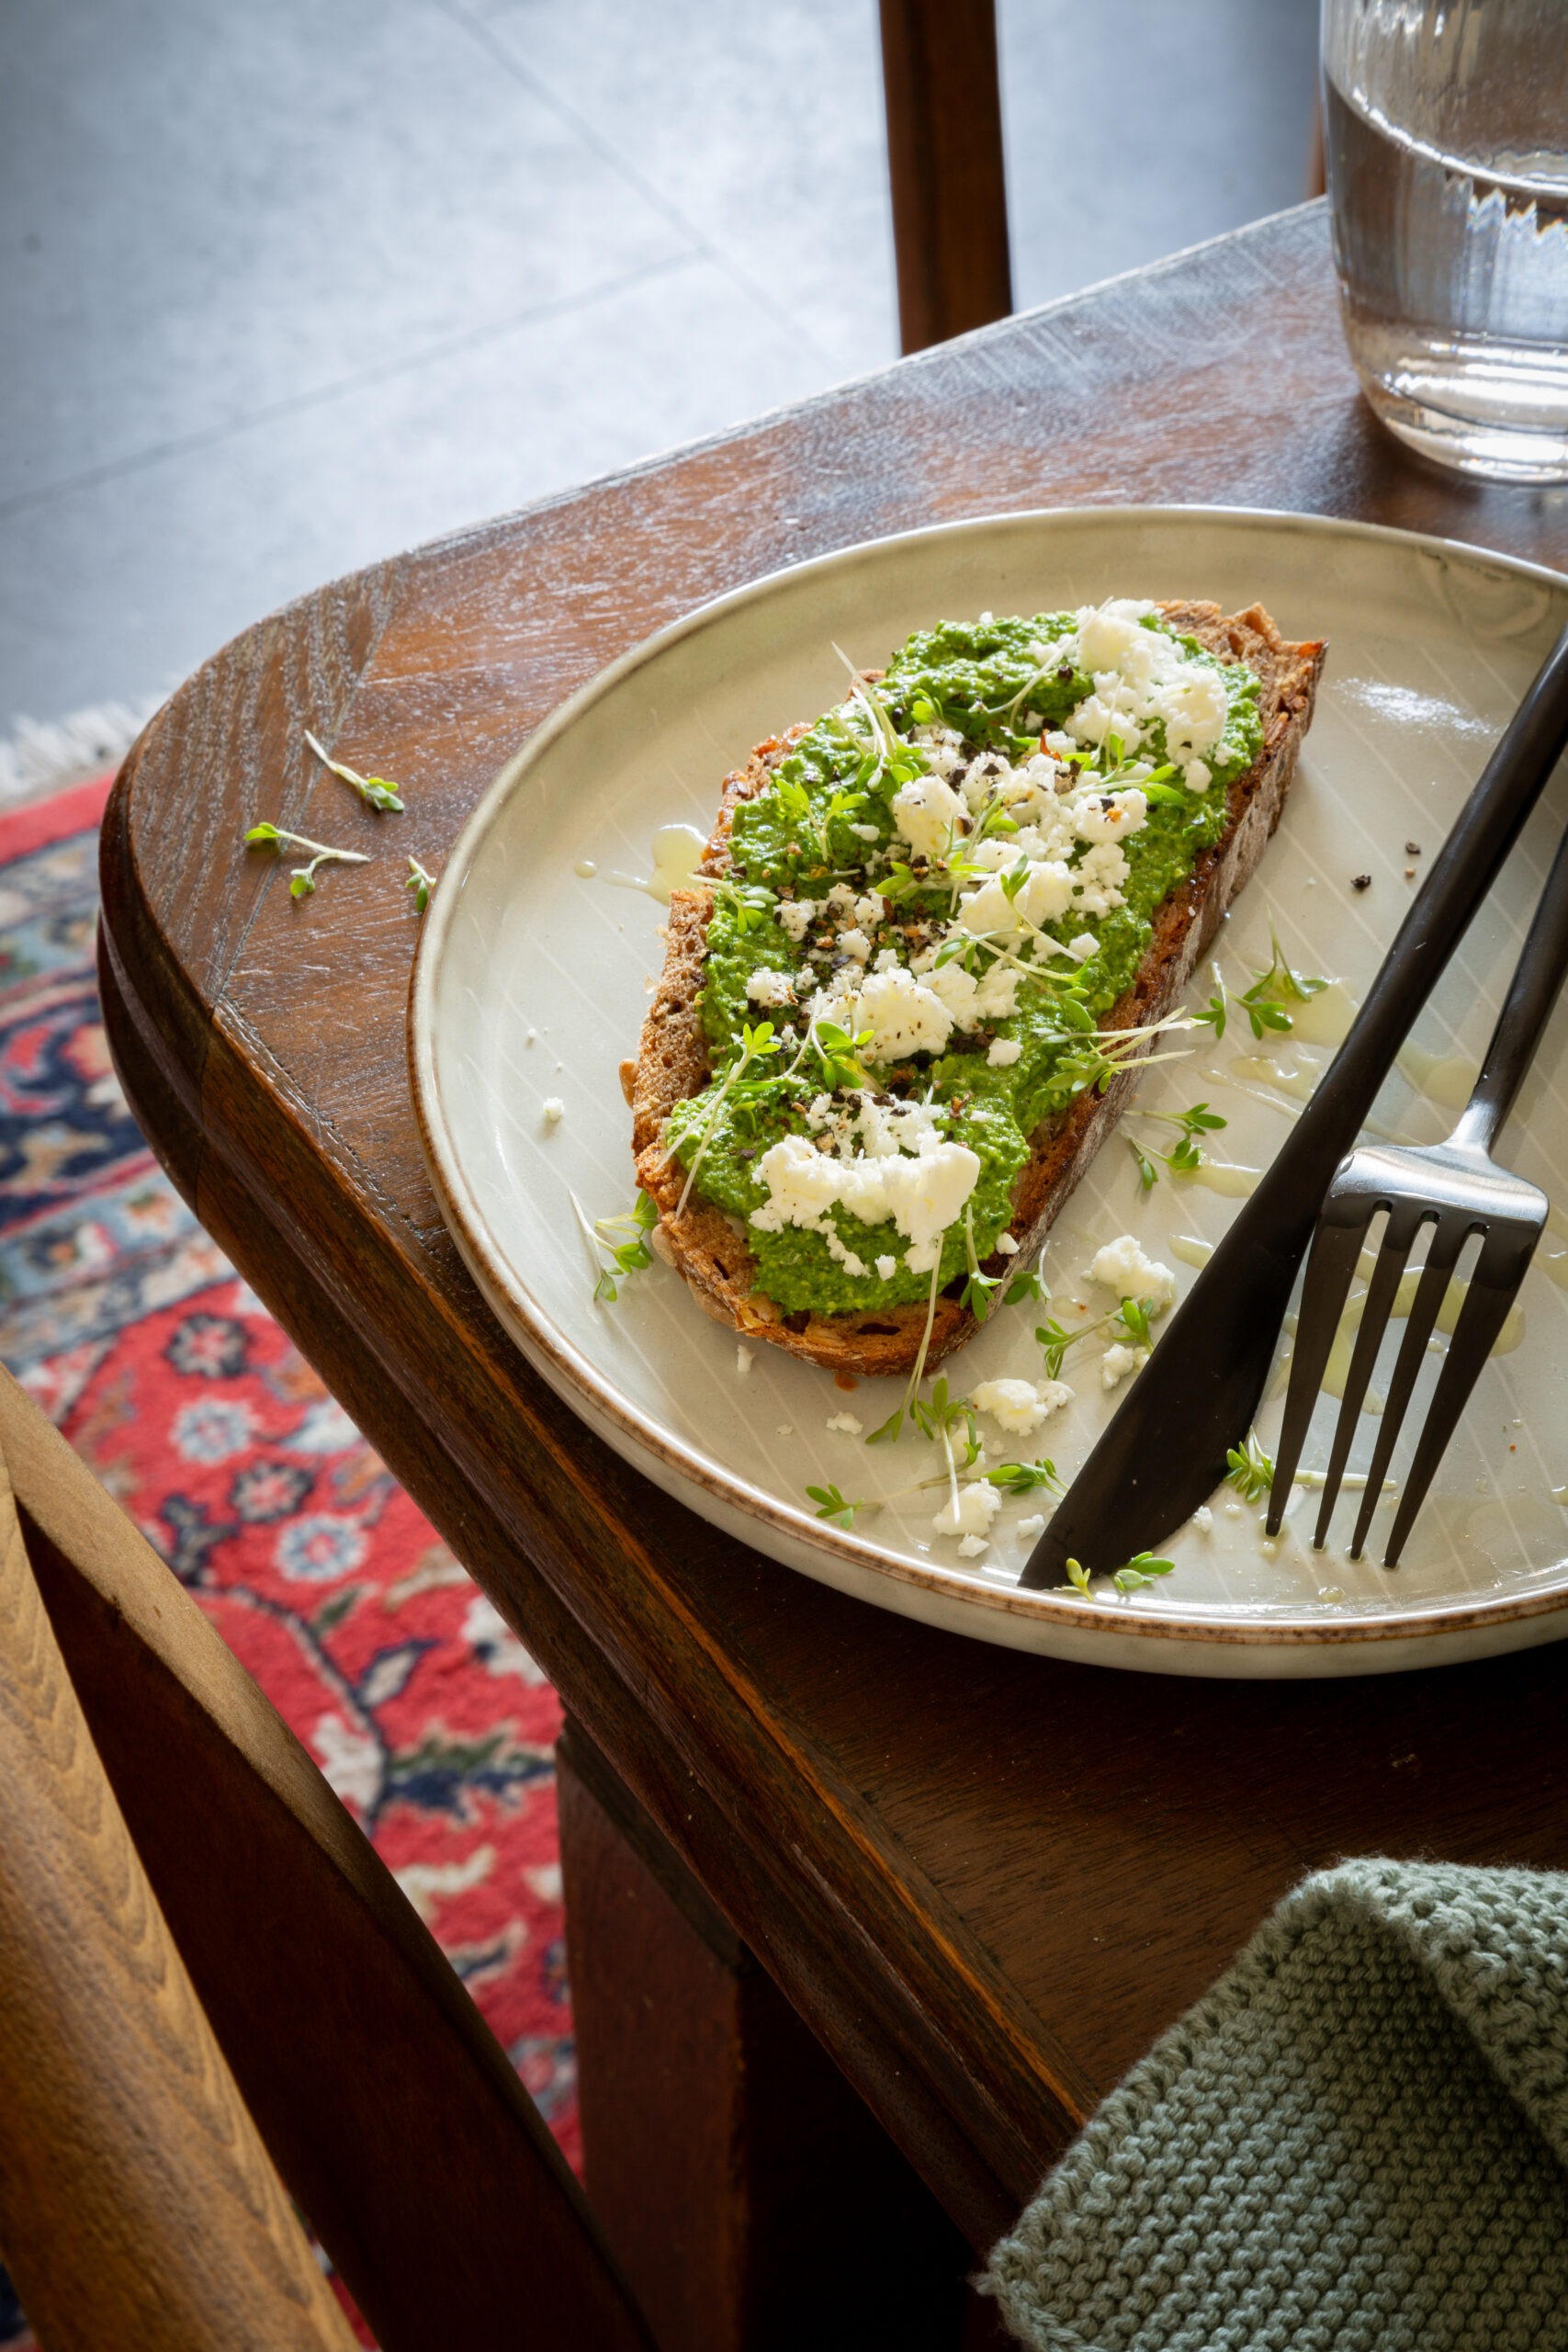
point(1445, 140)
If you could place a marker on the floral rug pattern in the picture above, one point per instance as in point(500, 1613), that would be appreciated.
point(200, 1417)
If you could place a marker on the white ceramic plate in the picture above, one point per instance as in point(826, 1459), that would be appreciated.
point(532, 982)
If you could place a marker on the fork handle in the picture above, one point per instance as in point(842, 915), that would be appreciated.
point(1537, 980)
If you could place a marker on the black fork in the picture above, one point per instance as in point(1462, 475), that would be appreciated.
point(1456, 1190)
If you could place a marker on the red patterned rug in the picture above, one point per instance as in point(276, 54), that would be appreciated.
point(191, 1407)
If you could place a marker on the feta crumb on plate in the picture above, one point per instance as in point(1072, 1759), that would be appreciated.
point(1020, 1406)
point(553, 1108)
point(976, 1506)
point(1118, 1362)
point(1202, 1519)
point(1006, 1246)
point(1031, 1527)
point(847, 1422)
point(972, 1546)
point(744, 1359)
point(1122, 1266)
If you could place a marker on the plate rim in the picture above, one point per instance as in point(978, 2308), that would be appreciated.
point(532, 1330)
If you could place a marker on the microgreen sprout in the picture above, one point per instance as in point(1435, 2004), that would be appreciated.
point(895, 1421)
point(756, 1045)
point(1008, 1477)
point(1186, 1153)
point(302, 881)
point(1024, 1477)
point(611, 1256)
point(1272, 991)
point(1129, 1320)
point(1216, 1013)
point(1249, 1469)
point(979, 1290)
point(421, 883)
point(1141, 1569)
point(793, 798)
point(939, 1418)
point(1026, 1287)
point(752, 903)
point(839, 1053)
point(1077, 1575)
point(940, 1415)
point(831, 1505)
point(1102, 1055)
point(374, 790)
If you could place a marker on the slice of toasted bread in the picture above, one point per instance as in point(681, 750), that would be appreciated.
point(710, 1248)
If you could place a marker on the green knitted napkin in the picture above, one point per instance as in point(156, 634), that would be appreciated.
point(1358, 2139)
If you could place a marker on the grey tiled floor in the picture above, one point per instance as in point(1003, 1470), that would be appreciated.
point(286, 287)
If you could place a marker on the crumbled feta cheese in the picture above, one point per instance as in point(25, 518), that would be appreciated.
point(1122, 1267)
point(1197, 776)
point(903, 1017)
point(553, 1109)
point(1203, 1519)
point(530, 1037)
point(1004, 1052)
point(1100, 817)
point(1006, 1245)
point(1144, 677)
point(847, 1422)
point(870, 910)
point(1032, 1526)
point(743, 1361)
point(886, 960)
point(1098, 878)
point(977, 1505)
point(972, 1546)
point(795, 916)
point(1020, 1406)
point(766, 987)
point(1194, 706)
point(994, 998)
point(1083, 946)
point(1045, 892)
point(855, 942)
point(865, 832)
point(885, 1269)
point(1232, 1511)
point(926, 811)
point(1118, 1362)
point(920, 1193)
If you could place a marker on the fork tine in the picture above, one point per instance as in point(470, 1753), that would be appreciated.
point(1494, 1286)
point(1336, 1246)
point(1399, 1235)
point(1449, 1238)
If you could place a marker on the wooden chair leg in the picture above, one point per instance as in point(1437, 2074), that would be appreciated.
point(945, 165)
point(137, 2203)
point(754, 2202)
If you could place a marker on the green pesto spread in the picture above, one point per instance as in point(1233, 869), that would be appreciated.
point(993, 756)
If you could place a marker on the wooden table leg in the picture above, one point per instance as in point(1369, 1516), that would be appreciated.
point(944, 161)
point(754, 2201)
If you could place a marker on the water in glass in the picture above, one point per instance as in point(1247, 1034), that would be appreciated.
point(1445, 135)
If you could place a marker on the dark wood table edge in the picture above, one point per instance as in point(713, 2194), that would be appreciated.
point(970, 2140)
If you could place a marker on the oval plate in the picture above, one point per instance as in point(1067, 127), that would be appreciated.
point(533, 978)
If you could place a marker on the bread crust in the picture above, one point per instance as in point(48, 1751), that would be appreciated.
point(709, 1249)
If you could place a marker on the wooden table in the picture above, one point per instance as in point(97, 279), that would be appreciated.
point(985, 1881)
